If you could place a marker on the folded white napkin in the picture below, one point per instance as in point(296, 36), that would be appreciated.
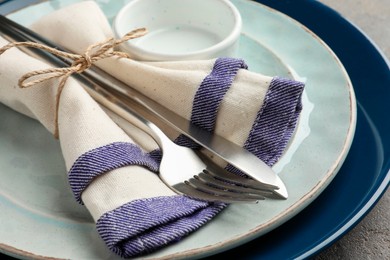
point(112, 171)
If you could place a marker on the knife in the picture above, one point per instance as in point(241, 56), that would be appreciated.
point(94, 78)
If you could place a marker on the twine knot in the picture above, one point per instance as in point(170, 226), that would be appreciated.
point(84, 63)
point(80, 62)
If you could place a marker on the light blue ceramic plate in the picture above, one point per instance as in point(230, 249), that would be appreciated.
point(40, 217)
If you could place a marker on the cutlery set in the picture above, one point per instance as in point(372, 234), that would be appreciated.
point(183, 169)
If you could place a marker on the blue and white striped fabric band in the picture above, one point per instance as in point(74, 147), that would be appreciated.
point(104, 159)
point(275, 122)
point(141, 226)
point(210, 94)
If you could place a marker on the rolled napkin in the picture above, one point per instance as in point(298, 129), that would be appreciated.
point(196, 90)
point(111, 170)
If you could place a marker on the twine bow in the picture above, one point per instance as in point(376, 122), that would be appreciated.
point(81, 62)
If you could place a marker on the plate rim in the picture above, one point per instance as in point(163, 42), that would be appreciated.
point(349, 131)
point(383, 179)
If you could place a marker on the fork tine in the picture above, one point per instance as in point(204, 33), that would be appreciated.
point(248, 183)
point(240, 181)
point(277, 192)
point(195, 193)
point(224, 175)
point(207, 177)
point(205, 187)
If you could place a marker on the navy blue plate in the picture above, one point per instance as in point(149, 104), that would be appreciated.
point(365, 175)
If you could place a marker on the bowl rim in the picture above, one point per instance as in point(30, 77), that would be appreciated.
point(225, 43)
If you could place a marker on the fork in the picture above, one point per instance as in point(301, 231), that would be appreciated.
point(184, 170)
point(238, 185)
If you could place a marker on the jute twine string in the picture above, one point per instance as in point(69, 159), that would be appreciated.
point(80, 63)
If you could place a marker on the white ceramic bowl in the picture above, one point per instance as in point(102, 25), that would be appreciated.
point(180, 29)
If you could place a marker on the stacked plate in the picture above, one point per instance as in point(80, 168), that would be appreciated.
point(336, 168)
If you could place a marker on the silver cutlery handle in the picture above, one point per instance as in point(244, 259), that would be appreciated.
point(126, 111)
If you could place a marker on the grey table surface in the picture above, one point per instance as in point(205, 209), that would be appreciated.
point(370, 239)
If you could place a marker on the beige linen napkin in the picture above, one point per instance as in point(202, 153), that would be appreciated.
point(112, 171)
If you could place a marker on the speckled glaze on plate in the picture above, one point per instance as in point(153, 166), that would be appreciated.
point(37, 205)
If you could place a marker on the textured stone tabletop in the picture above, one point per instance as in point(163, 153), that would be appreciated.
point(370, 239)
